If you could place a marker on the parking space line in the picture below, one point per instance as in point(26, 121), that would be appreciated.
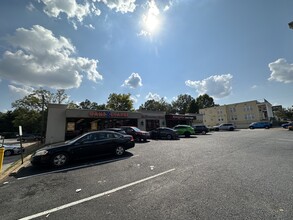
point(74, 168)
point(94, 196)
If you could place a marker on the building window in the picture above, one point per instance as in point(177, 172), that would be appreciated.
point(249, 117)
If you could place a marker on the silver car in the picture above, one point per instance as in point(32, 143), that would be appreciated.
point(226, 127)
point(11, 150)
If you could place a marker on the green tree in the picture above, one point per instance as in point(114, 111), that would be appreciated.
point(205, 101)
point(193, 107)
point(152, 105)
point(87, 104)
point(119, 102)
point(181, 104)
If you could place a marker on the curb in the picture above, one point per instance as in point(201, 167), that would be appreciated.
point(15, 167)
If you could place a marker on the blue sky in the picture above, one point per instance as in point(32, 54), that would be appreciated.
point(233, 50)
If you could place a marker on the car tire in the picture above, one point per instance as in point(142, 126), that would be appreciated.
point(59, 159)
point(203, 132)
point(217, 129)
point(119, 151)
point(8, 153)
point(187, 134)
point(231, 129)
point(267, 127)
point(169, 137)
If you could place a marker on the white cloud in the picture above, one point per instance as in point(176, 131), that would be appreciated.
point(40, 59)
point(30, 7)
point(153, 96)
point(133, 81)
point(217, 86)
point(281, 71)
point(123, 6)
point(21, 91)
point(71, 8)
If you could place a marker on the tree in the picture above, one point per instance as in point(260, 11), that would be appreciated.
point(87, 104)
point(193, 107)
point(286, 114)
point(152, 105)
point(119, 102)
point(30, 111)
point(205, 101)
point(181, 104)
point(60, 97)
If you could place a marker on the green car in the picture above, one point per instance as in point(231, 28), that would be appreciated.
point(185, 130)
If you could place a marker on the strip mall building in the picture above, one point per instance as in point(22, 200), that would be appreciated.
point(64, 124)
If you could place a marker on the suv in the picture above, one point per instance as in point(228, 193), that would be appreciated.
point(261, 124)
point(136, 133)
point(185, 130)
point(200, 129)
point(226, 127)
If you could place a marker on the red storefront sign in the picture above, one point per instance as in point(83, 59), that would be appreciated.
point(108, 114)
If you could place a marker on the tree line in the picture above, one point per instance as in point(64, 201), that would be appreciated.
point(31, 111)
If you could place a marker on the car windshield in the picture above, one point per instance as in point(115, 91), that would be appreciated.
point(136, 129)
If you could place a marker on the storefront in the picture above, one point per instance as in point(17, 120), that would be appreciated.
point(64, 124)
point(173, 119)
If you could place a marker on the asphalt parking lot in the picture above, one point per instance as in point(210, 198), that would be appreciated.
point(244, 174)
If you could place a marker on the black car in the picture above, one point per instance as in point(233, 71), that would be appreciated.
point(200, 129)
point(164, 133)
point(136, 133)
point(87, 145)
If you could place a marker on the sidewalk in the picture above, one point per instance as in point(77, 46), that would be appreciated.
point(15, 165)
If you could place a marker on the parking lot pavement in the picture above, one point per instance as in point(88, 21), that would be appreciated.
point(245, 174)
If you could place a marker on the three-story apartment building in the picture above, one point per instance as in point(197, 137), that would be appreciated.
point(240, 114)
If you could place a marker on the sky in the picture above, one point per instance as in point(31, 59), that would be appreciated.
point(232, 50)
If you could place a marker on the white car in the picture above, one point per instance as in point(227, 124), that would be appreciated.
point(226, 127)
point(11, 150)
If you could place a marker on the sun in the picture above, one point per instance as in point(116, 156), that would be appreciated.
point(151, 23)
point(151, 20)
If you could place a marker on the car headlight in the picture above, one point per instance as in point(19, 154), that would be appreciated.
point(41, 153)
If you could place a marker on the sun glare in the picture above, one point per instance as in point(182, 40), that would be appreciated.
point(151, 23)
point(151, 19)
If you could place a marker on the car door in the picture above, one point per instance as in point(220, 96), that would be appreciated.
point(84, 147)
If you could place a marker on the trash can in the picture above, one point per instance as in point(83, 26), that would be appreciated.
point(1, 157)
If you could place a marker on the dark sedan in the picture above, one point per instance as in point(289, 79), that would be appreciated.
point(164, 133)
point(88, 145)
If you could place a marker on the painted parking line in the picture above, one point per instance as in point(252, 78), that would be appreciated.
point(94, 196)
point(77, 167)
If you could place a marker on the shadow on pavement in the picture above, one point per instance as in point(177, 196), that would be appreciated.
point(30, 170)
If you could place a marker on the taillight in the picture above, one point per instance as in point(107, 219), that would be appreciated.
point(131, 139)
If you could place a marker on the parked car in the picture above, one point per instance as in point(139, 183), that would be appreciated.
point(261, 124)
point(286, 125)
point(185, 130)
point(164, 133)
point(224, 127)
point(29, 137)
point(137, 134)
point(12, 150)
point(200, 129)
point(87, 145)
point(119, 130)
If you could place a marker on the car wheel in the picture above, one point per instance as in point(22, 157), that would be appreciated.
point(267, 127)
point(169, 137)
point(231, 129)
point(59, 159)
point(187, 134)
point(217, 129)
point(8, 153)
point(203, 132)
point(119, 151)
